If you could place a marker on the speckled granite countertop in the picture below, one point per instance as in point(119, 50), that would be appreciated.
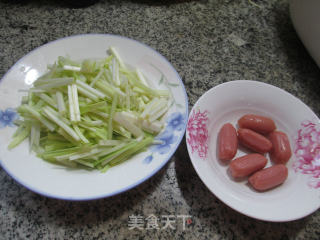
point(198, 38)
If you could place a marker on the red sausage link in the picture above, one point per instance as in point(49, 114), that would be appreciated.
point(257, 123)
point(254, 141)
point(269, 177)
point(281, 150)
point(227, 142)
point(246, 165)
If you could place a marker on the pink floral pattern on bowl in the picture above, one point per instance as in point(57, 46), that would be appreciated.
point(307, 151)
point(197, 133)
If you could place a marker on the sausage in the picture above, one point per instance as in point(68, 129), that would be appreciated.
point(246, 165)
point(257, 123)
point(281, 150)
point(269, 177)
point(254, 141)
point(227, 142)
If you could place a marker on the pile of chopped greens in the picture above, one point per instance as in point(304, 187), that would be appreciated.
point(93, 113)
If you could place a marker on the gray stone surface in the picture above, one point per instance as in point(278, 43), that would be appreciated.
point(208, 42)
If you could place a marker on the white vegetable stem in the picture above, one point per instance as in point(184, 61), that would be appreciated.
point(162, 103)
point(88, 94)
point(76, 103)
point(48, 100)
point(60, 123)
point(149, 107)
point(117, 56)
point(71, 104)
point(60, 101)
point(120, 118)
point(90, 89)
point(72, 68)
point(115, 72)
point(47, 84)
point(39, 117)
point(112, 112)
point(74, 110)
point(152, 127)
point(159, 113)
point(34, 136)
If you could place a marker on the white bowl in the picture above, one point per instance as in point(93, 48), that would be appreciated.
point(305, 15)
point(58, 182)
point(299, 195)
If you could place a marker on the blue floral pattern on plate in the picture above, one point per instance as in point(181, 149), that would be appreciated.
point(7, 117)
point(167, 138)
point(148, 159)
point(175, 122)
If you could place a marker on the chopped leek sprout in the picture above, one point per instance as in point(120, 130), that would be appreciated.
point(94, 114)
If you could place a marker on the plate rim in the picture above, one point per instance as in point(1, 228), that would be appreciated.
point(140, 181)
point(206, 183)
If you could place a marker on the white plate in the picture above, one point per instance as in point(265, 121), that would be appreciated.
point(58, 182)
point(299, 195)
